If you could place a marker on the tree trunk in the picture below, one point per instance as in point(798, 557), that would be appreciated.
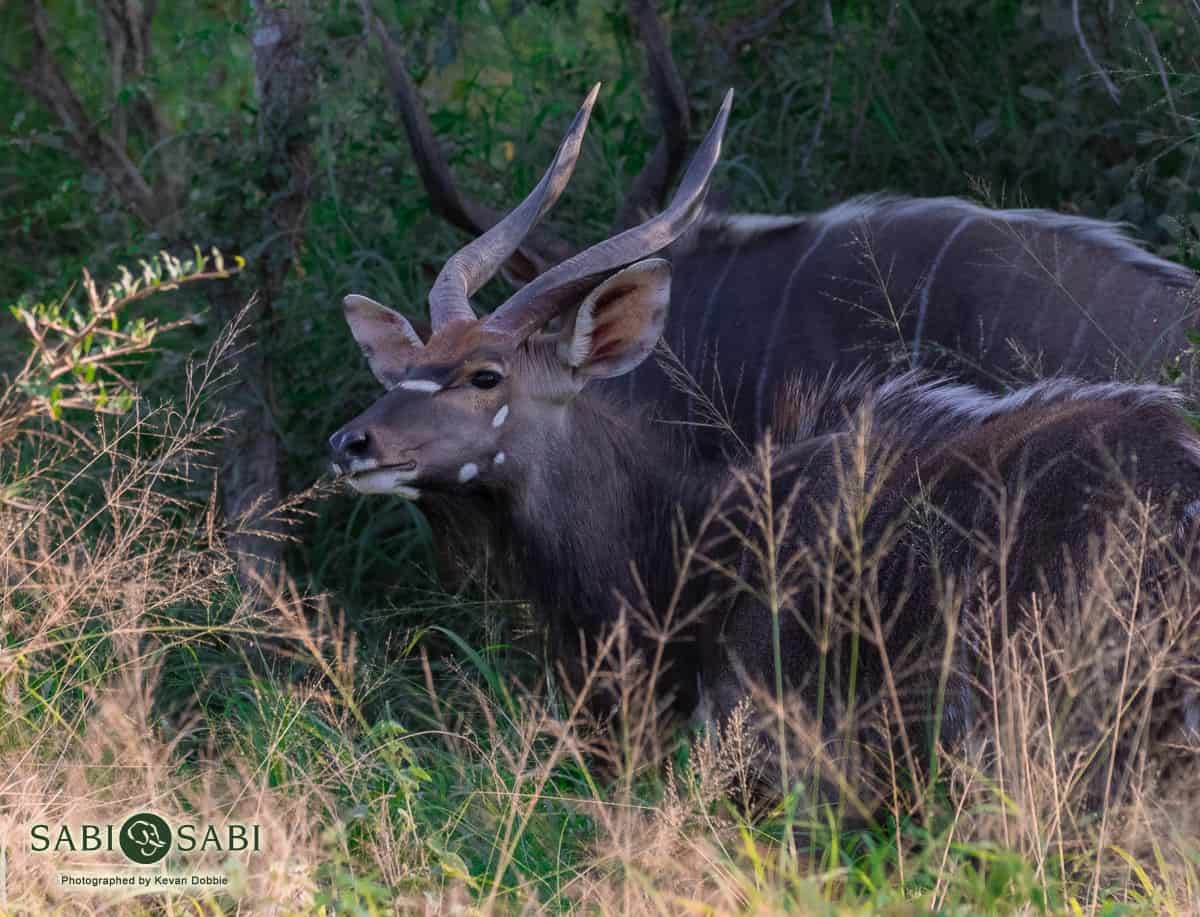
point(283, 77)
point(250, 478)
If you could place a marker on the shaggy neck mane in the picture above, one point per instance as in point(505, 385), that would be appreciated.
point(590, 531)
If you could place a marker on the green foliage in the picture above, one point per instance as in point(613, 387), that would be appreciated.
point(76, 353)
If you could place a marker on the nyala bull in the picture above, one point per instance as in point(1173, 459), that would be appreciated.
point(858, 566)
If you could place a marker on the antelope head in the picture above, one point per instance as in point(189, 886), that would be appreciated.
point(463, 408)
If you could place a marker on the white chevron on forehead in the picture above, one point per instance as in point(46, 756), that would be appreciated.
point(421, 385)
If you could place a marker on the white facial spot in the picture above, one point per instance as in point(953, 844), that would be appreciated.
point(420, 385)
point(358, 466)
point(501, 416)
point(337, 469)
point(500, 458)
point(467, 472)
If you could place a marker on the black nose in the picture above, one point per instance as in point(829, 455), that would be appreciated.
point(348, 445)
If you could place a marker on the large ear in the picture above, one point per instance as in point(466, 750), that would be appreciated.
point(386, 338)
point(617, 326)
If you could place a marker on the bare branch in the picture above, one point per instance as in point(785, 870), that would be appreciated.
point(252, 489)
point(445, 198)
point(538, 252)
point(46, 81)
point(1109, 85)
point(650, 188)
point(827, 95)
point(126, 25)
point(283, 83)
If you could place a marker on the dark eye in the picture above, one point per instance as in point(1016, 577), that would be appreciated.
point(485, 378)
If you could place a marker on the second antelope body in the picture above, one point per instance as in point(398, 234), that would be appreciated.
point(864, 559)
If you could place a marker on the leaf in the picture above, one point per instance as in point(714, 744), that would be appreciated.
point(985, 129)
point(1036, 94)
point(93, 183)
point(1170, 225)
point(1138, 870)
point(454, 867)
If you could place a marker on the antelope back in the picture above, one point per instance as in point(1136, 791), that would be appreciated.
point(992, 297)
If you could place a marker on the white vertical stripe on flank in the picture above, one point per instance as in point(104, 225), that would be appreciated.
point(1136, 361)
point(421, 385)
point(1084, 324)
point(999, 308)
point(700, 343)
point(777, 320)
point(716, 288)
point(923, 306)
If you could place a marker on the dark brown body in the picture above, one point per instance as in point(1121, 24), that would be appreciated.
point(994, 297)
point(968, 510)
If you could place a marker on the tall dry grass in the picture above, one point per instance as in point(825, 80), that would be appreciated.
point(112, 565)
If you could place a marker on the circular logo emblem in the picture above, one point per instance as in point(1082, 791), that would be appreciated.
point(145, 838)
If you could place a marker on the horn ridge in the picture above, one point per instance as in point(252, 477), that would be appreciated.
point(474, 264)
point(545, 296)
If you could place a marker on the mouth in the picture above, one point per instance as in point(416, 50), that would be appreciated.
point(369, 477)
